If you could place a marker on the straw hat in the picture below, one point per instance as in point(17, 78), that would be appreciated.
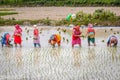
point(35, 26)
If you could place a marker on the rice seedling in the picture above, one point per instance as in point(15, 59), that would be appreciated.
point(111, 29)
point(83, 36)
point(103, 40)
point(58, 29)
point(67, 40)
point(27, 31)
point(25, 28)
point(59, 32)
point(117, 32)
point(105, 31)
point(40, 32)
point(26, 38)
point(114, 33)
point(64, 30)
point(63, 38)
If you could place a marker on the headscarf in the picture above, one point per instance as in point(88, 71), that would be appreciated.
point(77, 28)
point(18, 30)
point(90, 25)
point(36, 32)
point(17, 26)
point(90, 28)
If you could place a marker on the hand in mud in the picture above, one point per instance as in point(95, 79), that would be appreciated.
point(35, 38)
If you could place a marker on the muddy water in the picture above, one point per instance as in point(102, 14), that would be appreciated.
point(64, 63)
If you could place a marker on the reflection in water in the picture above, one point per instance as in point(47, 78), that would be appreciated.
point(89, 63)
point(7, 51)
point(76, 57)
point(36, 55)
point(55, 52)
point(18, 56)
point(5, 67)
point(91, 54)
point(113, 52)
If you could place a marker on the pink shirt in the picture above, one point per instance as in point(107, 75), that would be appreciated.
point(36, 39)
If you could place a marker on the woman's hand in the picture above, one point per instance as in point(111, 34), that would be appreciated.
point(12, 36)
point(18, 34)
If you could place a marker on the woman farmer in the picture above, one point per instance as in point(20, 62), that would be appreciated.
point(55, 38)
point(6, 40)
point(112, 41)
point(91, 34)
point(76, 33)
point(36, 39)
point(17, 35)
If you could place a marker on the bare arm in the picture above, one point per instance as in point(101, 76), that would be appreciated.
point(110, 43)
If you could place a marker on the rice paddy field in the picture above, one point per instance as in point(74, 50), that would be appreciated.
point(60, 63)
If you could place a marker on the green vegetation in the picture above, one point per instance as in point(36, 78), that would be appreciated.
point(6, 9)
point(99, 18)
point(60, 2)
point(3, 13)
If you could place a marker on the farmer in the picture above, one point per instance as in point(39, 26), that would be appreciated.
point(6, 40)
point(36, 38)
point(55, 38)
point(76, 34)
point(91, 34)
point(17, 35)
point(112, 41)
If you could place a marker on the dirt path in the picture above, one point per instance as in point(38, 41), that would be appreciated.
point(54, 13)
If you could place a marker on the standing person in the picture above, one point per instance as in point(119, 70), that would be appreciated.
point(91, 34)
point(76, 34)
point(112, 41)
point(17, 35)
point(36, 37)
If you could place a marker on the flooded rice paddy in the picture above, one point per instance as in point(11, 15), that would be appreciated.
point(60, 63)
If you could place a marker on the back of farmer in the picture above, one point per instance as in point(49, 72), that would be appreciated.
point(91, 34)
point(55, 38)
point(112, 41)
point(5, 39)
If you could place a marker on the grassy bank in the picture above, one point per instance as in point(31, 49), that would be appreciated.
point(99, 18)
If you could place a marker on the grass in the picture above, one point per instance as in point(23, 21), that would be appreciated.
point(3, 13)
point(6, 9)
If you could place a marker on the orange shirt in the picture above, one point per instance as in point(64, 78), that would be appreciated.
point(58, 37)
